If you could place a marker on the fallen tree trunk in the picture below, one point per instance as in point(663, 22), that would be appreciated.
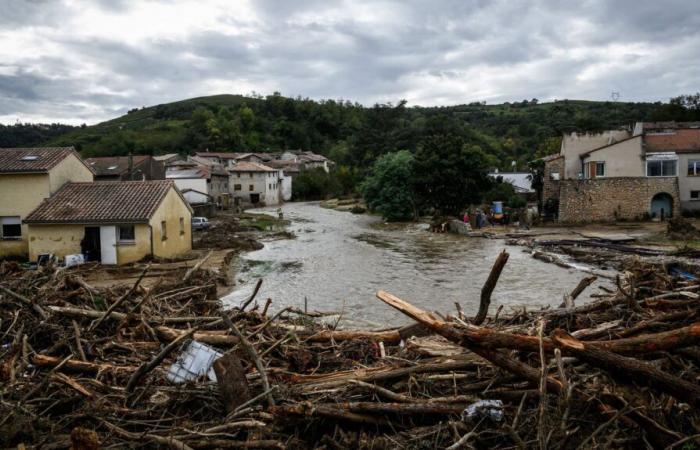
point(627, 368)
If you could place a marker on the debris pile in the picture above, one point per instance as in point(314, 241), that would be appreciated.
point(680, 229)
point(168, 367)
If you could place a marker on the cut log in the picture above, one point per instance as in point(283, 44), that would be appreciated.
point(390, 336)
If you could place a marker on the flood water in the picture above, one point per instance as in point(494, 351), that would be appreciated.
point(339, 260)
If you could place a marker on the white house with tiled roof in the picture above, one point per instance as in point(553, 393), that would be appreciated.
point(256, 183)
point(28, 176)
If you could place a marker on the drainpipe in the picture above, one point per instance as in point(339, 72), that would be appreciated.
point(150, 228)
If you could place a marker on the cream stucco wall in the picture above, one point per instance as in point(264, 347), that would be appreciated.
point(261, 182)
point(59, 239)
point(687, 183)
point(575, 144)
point(20, 194)
point(622, 160)
point(70, 169)
point(139, 249)
point(171, 209)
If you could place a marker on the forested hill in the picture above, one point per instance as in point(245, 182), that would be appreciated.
point(347, 132)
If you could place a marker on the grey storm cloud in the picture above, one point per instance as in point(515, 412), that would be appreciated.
point(86, 61)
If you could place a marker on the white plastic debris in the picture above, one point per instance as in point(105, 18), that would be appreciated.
point(492, 409)
point(195, 361)
point(74, 260)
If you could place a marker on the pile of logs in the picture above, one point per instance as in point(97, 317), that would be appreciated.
point(85, 367)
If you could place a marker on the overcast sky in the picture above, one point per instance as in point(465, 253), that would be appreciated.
point(87, 61)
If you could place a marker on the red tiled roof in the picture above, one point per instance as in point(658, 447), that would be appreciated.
point(102, 202)
point(114, 165)
point(686, 140)
point(33, 160)
point(245, 166)
point(222, 155)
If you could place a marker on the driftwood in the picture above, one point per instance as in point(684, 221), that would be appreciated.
point(489, 286)
point(630, 368)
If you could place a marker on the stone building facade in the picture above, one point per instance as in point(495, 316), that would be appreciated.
point(610, 199)
point(553, 173)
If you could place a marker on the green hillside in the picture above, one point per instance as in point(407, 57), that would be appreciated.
point(351, 134)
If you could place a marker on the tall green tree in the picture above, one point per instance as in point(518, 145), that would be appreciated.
point(388, 188)
point(449, 174)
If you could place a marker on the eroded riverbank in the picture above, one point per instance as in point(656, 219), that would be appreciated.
point(339, 260)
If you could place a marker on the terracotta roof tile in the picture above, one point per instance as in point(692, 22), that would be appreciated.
point(245, 166)
point(32, 160)
point(102, 202)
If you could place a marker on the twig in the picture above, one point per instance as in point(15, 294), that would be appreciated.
point(147, 367)
point(119, 301)
point(252, 296)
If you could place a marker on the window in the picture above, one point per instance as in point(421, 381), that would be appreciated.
point(693, 167)
point(127, 234)
point(238, 174)
point(11, 228)
point(251, 188)
point(182, 225)
point(661, 168)
point(163, 230)
point(695, 195)
point(251, 174)
point(600, 168)
point(237, 187)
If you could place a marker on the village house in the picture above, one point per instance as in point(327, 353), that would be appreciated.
point(127, 168)
point(112, 223)
point(198, 180)
point(651, 170)
point(28, 176)
point(307, 159)
point(521, 182)
point(255, 183)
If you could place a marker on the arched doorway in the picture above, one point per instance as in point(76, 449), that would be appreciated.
point(661, 206)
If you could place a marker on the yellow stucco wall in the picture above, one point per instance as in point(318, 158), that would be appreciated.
point(19, 195)
point(70, 169)
point(61, 240)
point(171, 209)
point(127, 253)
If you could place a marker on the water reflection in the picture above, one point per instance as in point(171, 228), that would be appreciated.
point(339, 260)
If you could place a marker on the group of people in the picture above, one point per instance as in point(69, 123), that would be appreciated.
point(480, 218)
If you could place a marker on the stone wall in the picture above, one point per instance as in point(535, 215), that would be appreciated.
point(550, 188)
point(609, 199)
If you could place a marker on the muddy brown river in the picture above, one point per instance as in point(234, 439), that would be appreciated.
point(339, 260)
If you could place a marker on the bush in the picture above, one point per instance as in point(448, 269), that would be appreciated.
point(315, 184)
